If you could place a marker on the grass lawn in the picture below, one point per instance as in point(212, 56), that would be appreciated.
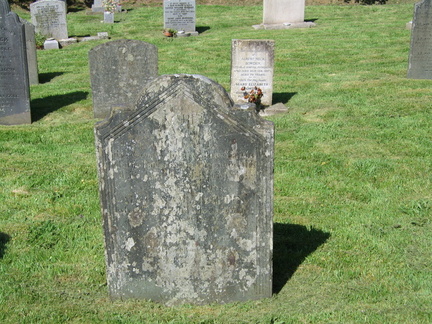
point(353, 172)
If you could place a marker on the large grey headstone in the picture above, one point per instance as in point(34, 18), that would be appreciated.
point(31, 52)
point(420, 56)
point(14, 82)
point(252, 65)
point(118, 71)
point(186, 187)
point(180, 15)
point(49, 18)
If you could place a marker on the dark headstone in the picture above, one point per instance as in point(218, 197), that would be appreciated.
point(14, 82)
point(118, 71)
point(186, 187)
point(31, 51)
point(420, 56)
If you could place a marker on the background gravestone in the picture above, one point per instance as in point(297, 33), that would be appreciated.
point(283, 11)
point(252, 64)
point(420, 56)
point(180, 15)
point(31, 52)
point(49, 18)
point(118, 71)
point(186, 187)
point(14, 83)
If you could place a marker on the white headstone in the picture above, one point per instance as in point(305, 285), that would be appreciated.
point(283, 11)
point(252, 66)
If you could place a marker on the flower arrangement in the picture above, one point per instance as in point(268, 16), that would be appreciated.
point(253, 95)
point(110, 5)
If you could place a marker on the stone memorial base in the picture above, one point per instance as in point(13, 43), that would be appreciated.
point(51, 43)
point(304, 24)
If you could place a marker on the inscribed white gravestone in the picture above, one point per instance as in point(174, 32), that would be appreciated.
point(420, 56)
point(252, 64)
point(49, 18)
point(186, 187)
point(14, 82)
point(180, 15)
point(118, 71)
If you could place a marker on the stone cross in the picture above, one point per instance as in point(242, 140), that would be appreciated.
point(186, 187)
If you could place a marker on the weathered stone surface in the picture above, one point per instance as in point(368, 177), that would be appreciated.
point(420, 56)
point(31, 52)
point(49, 18)
point(118, 71)
point(14, 75)
point(180, 15)
point(275, 109)
point(283, 11)
point(252, 62)
point(186, 187)
point(51, 44)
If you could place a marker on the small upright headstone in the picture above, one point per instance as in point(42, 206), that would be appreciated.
point(49, 18)
point(14, 77)
point(420, 56)
point(252, 64)
point(118, 71)
point(284, 14)
point(186, 187)
point(180, 15)
point(283, 11)
point(31, 52)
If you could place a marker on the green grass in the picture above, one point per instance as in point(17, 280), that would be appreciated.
point(353, 169)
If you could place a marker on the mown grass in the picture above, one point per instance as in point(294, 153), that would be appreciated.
point(352, 174)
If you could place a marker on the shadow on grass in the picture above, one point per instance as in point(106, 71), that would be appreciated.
point(47, 77)
point(43, 106)
point(291, 245)
point(202, 29)
point(283, 97)
point(4, 238)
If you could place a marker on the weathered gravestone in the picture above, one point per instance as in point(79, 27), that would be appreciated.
point(31, 52)
point(118, 71)
point(186, 186)
point(180, 15)
point(252, 64)
point(49, 18)
point(420, 56)
point(14, 82)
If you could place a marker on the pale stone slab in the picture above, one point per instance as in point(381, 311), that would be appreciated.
point(49, 18)
point(420, 56)
point(118, 71)
point(51, 44)
point(252, 65)
point(283, 11)
point(180, 15)
point(14, 74)
point(186, 187)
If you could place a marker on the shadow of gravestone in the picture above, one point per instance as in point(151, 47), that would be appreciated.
point(291, 245)
point(4, 238)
